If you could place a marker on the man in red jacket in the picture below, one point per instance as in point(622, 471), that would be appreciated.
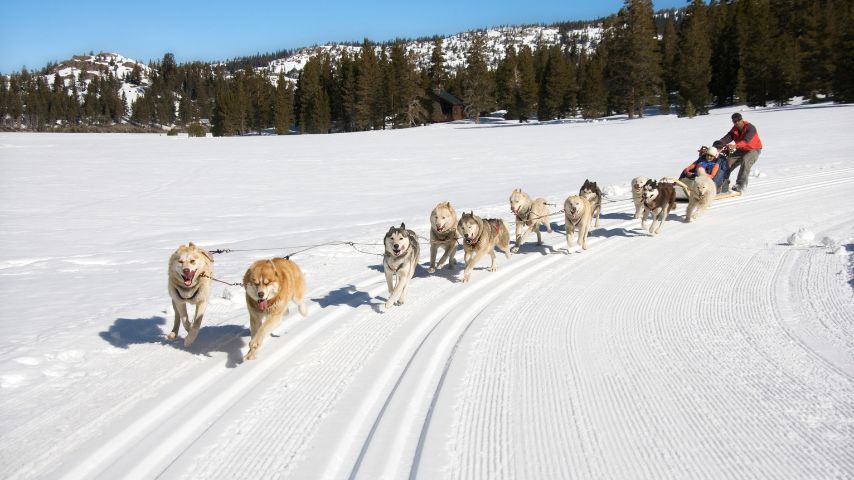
point(746, 150)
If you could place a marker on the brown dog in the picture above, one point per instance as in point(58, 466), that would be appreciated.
point(190, 272)
point(270, 285)
point(481, 236)
point(659, 198)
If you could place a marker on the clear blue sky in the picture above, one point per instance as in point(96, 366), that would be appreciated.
point(35, 32)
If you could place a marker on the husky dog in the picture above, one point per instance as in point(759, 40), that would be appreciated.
point(637, 194)
point(590, 191)
point(270, 285)
point(190, 272)
point(443, 233)
point(481, 236)
point(579, 215)
point(400, 259)
point(702, 194)
point(530, 214)
point(658, 199)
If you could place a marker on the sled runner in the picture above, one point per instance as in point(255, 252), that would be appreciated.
point(682, 197)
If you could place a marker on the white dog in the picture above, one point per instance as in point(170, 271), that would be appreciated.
point(443, 233)
point(190, 271)
point(579, 215)
point(530, 214)
point(637, 194)
point(702, 195)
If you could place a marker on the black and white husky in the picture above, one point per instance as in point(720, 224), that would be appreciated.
point(400, 259)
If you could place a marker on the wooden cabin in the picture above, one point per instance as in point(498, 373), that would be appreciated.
point(446, 107)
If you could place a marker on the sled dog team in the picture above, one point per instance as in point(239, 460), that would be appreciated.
point(270, 285)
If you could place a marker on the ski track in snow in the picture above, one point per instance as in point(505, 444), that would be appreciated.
point(461, 391)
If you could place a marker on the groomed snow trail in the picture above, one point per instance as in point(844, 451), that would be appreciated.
point(713, 350)
point(719, 377)
point(608, 384)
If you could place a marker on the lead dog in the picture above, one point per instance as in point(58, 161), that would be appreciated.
point(270, 285)
point(443, 233)
point(190, 272)
point(591, 192)
point(399, 260)
point(530, 214)
point(481, 236)
point(579, 215)
point(659, 198)
point(702, 194)
point(637, 194)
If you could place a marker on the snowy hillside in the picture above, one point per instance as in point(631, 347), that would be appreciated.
point(83, 68)
point(454, 46)
point(718, 349)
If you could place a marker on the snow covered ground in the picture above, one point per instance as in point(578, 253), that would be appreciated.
point(718, 349)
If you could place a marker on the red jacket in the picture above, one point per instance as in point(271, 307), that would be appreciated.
point(745, 139)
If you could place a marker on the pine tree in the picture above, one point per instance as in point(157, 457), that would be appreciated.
point(505, 82)
point(283, 107)
point(15, 104)
point(785, 73)
point(478, 90)
point(815, 47)
point(222, 118)
point(437, 71)
point(555, 85)
point(367, 96)
point(314, 110)
point(4, 100)
point(527, 89)
point(725, 53)
point(633, 70)
point(345, 81)
point(668, 47)
point(73, 114)
point(406, 88)
point(135, 75)
point(594, 96)
point(386, 101)
point(755, 29)
point(694, 71)
point(843, 57)
point(89, 109)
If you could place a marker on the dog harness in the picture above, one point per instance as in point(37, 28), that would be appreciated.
point(191, 297)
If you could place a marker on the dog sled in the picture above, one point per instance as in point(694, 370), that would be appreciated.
point(682, 193)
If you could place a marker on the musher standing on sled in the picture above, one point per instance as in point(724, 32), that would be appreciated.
point(746, 151)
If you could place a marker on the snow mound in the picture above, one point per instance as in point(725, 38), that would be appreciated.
point(830, 242)
point(617, 190)
point(802, 238)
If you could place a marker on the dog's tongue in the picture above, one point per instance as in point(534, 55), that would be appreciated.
point(262, 304)
point(188, 278)
point(439, 228)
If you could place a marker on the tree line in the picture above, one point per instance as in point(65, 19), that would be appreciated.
point(708, 54)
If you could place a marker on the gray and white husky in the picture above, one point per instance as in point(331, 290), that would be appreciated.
point(400, 259)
